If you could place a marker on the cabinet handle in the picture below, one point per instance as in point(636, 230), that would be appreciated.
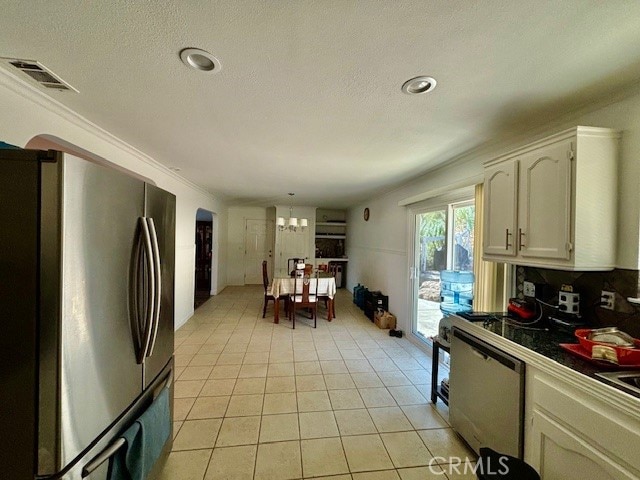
point(520, 235)
point(506, 240)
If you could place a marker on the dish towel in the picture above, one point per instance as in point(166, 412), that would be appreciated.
point(144, 442)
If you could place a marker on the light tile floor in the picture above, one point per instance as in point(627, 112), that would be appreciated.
point(254, 400)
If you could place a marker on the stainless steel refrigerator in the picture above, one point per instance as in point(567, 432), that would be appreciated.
point(87, 255)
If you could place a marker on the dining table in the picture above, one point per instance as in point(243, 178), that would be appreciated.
point(283, 286)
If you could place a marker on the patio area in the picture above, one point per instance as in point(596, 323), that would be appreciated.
point(429, 316)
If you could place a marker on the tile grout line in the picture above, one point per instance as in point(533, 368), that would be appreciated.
point(233, 328)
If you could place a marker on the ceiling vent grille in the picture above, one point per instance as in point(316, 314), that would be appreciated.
point(38, 73)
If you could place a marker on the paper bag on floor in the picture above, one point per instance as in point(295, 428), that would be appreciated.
point(384, 319)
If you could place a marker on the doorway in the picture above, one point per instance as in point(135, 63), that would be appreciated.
point(443, 241)
point(204, 257)
point(257, 247)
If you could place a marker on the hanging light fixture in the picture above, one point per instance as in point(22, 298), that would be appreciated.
point(292, 223)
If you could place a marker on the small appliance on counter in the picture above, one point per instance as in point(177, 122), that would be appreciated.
point(522, 309)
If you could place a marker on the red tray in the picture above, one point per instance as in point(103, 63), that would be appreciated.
point(576, 349)
point(626, 355)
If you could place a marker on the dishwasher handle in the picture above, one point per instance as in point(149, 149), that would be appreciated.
point(479, 354)
point(487, 351)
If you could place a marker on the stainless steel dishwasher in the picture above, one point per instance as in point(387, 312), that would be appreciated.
point(486, 395)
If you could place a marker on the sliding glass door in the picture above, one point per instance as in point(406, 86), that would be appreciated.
point(431, 258)
point(443, 241)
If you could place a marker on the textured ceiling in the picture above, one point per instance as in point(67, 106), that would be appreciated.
point(308, 99)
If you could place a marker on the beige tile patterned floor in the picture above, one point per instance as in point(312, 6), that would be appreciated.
point(254, 400)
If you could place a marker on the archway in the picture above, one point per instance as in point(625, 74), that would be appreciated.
point(204, 257)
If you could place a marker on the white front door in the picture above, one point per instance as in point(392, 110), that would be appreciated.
point(256, 249)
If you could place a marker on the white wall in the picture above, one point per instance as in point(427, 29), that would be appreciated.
point(235, 240)
point(299, 212)
point(377, 249)
point(236, 235)
point(28, 113)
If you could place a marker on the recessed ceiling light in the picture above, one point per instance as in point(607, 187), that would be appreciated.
point(200, 60)
point(419, 85)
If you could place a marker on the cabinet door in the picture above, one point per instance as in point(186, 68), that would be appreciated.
point(545, 202)
point(563, 454)
point(500, 209)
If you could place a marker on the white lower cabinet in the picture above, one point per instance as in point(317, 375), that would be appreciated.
point(571, 434)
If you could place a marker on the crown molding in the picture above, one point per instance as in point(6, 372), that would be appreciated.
point(34, 95)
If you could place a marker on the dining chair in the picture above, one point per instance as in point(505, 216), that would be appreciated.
point(267, 287)
point(292, 264)
point(325, 298)
point(304, 297)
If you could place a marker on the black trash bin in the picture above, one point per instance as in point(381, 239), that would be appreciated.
point(493, 466)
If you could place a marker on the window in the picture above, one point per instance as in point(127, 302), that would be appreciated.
point(443, 241)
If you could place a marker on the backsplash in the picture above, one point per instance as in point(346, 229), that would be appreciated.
point(589, 285)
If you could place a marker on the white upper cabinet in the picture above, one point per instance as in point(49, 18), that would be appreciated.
point(553, 203)
point(544, 227)
point(501, 203)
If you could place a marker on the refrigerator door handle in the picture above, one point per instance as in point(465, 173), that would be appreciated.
point(151, 289)
point(158, 284)
point(102, 457)
point(134, 295)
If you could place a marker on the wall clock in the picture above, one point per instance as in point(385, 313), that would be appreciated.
point(366, 214)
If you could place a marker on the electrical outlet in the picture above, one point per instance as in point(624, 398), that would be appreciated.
point(608, 300)
point(529, 289)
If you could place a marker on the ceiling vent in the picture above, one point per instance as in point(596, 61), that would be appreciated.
point(38, 73)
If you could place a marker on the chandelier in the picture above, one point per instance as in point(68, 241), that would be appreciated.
point(292, 223)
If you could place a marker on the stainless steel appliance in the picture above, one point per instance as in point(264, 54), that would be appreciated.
point(87, 257)
point(486, 395)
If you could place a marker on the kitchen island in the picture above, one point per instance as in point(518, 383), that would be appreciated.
point(576, 425)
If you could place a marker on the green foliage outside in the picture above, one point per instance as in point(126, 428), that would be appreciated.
point(432, 230)
point(433, 226)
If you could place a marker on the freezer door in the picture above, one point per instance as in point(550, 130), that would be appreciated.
point(160, 211)
point(93, 362)
point(19, 194)
point(94, 464)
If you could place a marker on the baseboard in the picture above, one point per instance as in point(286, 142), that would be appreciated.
point(177, 324)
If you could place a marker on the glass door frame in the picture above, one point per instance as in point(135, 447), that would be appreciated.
point(462, 197)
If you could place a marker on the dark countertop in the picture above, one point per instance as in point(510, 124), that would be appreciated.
point(546, 342)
